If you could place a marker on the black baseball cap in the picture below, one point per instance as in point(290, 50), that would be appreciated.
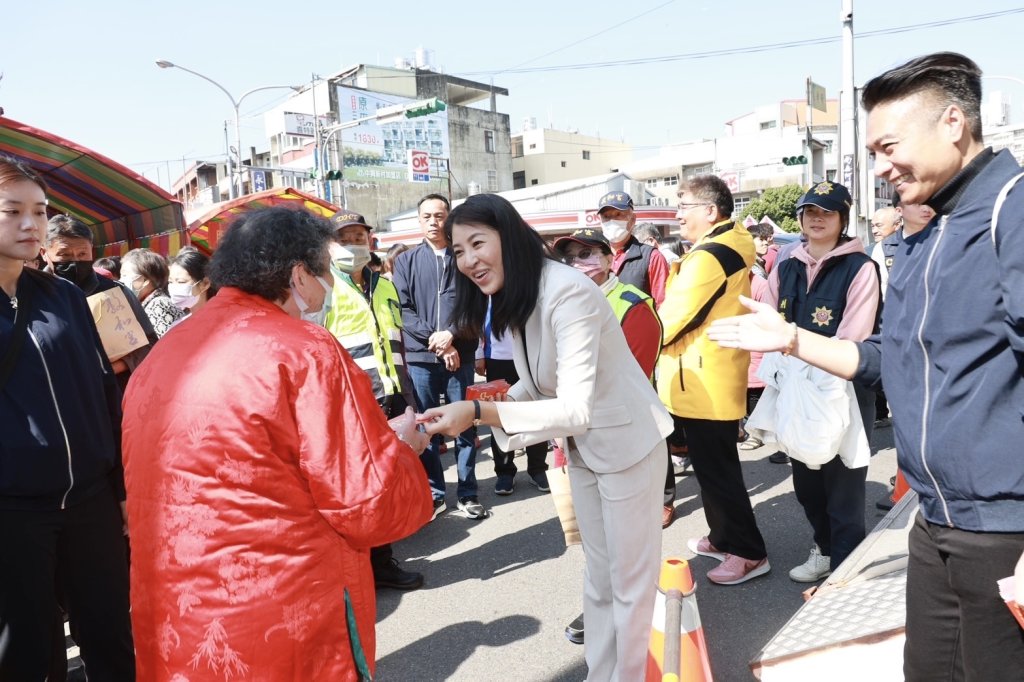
point(345, 218)
point(830, 196)
point(586, 236)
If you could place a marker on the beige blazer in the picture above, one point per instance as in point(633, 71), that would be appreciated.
point(577, 377)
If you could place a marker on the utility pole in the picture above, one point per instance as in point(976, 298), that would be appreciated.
point(810, 135)
point(316, 142)
point(230, 170)
point(848, 166)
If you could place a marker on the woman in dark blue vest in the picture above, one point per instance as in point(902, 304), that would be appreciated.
point(829, 286)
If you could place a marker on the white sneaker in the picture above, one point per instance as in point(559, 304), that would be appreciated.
point(814, 569)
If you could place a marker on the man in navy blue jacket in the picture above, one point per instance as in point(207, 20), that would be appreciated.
point(439, 363)
point(951, 354)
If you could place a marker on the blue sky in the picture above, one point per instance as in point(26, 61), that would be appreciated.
point(86, 71)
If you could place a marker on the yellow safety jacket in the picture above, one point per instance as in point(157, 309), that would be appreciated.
point(697, 378)
point(369, 327)
point(624, 296)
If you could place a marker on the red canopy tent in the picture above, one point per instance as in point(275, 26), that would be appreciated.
point(205, 232)
point(124, 210)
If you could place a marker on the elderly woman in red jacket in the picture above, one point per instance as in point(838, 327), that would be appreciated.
point(260, 473)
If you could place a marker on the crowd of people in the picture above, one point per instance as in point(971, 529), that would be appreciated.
point(246, 461)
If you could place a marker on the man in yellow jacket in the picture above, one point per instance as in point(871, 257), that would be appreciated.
point(704, 385)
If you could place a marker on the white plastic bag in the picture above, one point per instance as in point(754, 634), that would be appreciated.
point(810, 413)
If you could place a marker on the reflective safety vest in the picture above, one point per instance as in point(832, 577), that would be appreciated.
point(370, 329)
point(624, 296)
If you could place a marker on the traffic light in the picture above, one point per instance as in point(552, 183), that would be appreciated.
point(794, 160)
point(333, 175)
point(429, 106)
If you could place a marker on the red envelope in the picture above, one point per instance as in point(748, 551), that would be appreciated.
point(489, 390)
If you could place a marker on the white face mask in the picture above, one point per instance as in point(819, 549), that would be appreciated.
point(350, 258)
point(615, 231)
point(317, 317)
point(130, 279)
point(181, 294)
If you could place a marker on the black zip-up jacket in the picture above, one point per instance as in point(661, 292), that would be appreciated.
point(426, 290)
point(60, 412)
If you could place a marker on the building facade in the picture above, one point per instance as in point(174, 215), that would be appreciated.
point(772, 146)
point(543, 155)
point(364, 162)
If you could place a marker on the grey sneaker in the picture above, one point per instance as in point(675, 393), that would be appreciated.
point(814, 569)
point(472, 508)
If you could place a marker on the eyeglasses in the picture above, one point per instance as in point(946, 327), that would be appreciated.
point(582, 254)
point(683, 206)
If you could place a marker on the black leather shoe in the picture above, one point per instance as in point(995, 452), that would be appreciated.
point(778, 458)
point(391, 575)
point(574, 630)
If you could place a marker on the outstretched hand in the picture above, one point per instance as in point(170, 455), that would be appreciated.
point(764, 330)
point(450, 420)
point(409, 434)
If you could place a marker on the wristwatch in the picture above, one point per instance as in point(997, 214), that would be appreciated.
point(476, 413)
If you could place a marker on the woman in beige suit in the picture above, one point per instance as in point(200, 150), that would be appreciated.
point(578, 379)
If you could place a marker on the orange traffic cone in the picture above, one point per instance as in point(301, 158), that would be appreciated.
point(677, 650)
point(901, 488)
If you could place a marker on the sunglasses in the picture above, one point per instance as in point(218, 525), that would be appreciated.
point(582, 254)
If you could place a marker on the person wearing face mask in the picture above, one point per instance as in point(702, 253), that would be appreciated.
point(188, 284)
point(69, 255)
point(145, 272)
point(589, 251)
point(366, 318)
point(641, 265)
point(260, 478)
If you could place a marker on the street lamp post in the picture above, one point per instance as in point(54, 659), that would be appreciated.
point(236, 103)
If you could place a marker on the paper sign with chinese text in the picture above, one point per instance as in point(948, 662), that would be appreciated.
point(119, 330)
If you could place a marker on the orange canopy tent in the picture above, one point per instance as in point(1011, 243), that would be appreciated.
point(207, 231)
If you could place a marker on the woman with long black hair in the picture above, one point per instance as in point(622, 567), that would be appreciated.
point(578, 379)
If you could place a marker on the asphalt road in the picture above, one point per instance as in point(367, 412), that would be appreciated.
point(499, 592)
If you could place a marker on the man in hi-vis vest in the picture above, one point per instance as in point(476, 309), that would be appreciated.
point(366, 318)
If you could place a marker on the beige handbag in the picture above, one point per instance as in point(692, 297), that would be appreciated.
point(561, 494)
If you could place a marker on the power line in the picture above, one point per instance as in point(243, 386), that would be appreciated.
point(687, 56)
point(583, 40)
